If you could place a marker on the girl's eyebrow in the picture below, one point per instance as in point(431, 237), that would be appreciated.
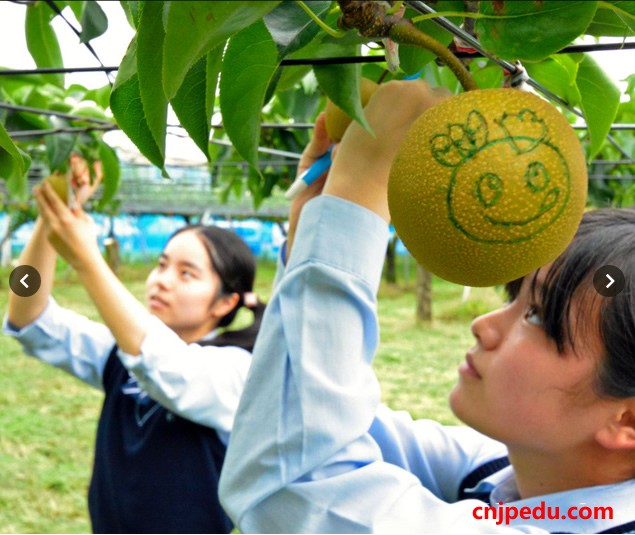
point(192, 265)
point(183, 263)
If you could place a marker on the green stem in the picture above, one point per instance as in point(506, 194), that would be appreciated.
point(319, 21)
point(405, 33)
point(396, 7)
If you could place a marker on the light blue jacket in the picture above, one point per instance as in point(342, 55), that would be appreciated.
point(313, 452)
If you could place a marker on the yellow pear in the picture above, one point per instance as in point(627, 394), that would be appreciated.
point(488, 186)
point(61, 185)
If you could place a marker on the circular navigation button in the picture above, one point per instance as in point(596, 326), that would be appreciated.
point(25, 280)
point(609, 281)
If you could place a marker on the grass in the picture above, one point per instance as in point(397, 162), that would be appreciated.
point(48, 419)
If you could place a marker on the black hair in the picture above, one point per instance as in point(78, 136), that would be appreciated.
point(604, 237)
point(235, 264)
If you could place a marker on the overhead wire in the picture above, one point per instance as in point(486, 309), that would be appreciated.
point(52, 113)
point(88, 46)
point(419, 6)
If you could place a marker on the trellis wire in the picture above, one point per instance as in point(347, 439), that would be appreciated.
point(61, 115)
point(90, 48)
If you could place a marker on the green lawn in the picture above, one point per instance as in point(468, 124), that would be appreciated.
point(48, 419)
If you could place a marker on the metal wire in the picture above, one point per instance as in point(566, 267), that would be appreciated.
point(40, 111)
point(88, 46)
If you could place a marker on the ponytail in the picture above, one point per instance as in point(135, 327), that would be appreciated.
point(246, 337)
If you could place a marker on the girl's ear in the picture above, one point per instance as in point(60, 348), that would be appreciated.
point(224, 304)
point(619, 434)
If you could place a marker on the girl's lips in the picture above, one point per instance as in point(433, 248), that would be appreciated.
point(467, 368)
point(157, 303)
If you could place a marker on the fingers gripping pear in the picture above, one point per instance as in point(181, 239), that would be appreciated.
point(487, 186)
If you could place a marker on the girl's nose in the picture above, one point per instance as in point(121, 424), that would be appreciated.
point(488, 329)
point(165, 278)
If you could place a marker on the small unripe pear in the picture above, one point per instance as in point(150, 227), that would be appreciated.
point(60, 185)
point(337, 120)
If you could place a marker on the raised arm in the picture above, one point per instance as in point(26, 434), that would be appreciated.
point(72, 232)
point(301, 458)
point(39, 253)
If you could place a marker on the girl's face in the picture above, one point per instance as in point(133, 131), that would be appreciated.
point(182, 290)
point(517, 388)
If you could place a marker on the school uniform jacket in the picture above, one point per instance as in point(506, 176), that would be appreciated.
point(164, 424)
point(313, 451)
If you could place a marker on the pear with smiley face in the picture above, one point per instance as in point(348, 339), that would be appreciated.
point(488, 186)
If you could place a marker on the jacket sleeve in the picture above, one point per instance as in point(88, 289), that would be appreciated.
point(200, 383)
point(301, 457)
point(68, 341)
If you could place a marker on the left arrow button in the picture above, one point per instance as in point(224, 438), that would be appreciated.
point(18, 280)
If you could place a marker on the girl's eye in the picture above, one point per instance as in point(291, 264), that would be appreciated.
point(534, 316)
point(161, 265)
point(186, 274)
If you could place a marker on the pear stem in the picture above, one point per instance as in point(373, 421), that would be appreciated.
point(371, 20)
point(406, 33)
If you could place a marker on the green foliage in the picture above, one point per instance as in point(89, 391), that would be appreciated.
point(206, 58)
point(599, 101)
point(195, 28)
point(529, 30)
point(413, 59)
point(42, 41)
point(93, 21)
point(251, 58)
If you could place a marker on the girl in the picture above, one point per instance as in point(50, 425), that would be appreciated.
point(548, 387)
point(172, 383)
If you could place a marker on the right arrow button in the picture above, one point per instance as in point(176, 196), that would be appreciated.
point(615, 277)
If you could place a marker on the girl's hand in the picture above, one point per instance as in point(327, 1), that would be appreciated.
point(80, 180)
point(361, 170)
point(71, 232)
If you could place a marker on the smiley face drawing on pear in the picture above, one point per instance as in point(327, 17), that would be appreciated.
point(509, 181)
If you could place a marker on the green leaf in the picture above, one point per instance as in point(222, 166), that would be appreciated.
point(529, 30)
point(194, 28)
point(291, 75)
point(341, 84)
point(198, 92)
point(93, 22)
point(150, 38)
point(413, 58)
point(486, 74)
point(250, 61)
point(112, 174)
point(77, 8)
point(558, 74)
point(292, 28)
point(613, 18)
point(59, 146)
point(42, 41)
point(126, 106)
point(131, 8)
point(600, 100)
point(101, 95)
point(13, 166)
